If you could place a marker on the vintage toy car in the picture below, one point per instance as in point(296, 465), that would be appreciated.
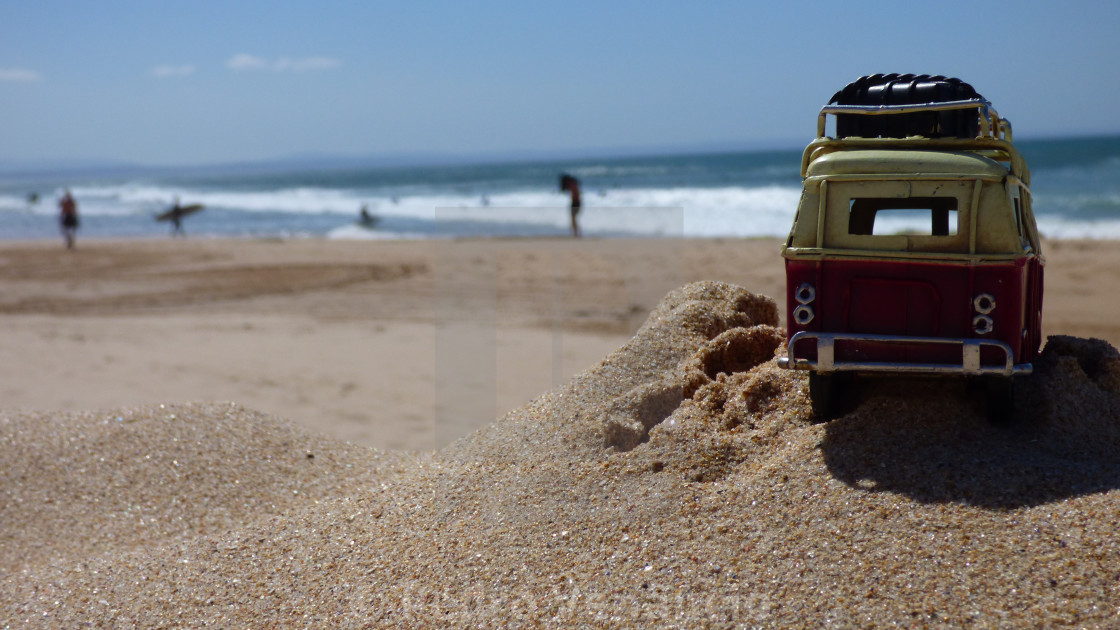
point(914, 249)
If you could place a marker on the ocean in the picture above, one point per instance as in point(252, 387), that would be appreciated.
point(1075, 187)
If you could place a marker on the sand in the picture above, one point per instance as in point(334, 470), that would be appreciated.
point(337, 467)
point(387, 344)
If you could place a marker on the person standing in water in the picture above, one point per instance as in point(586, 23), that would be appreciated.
point(571, 186)
point(68, 218)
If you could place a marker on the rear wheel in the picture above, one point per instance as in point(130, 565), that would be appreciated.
point(827, 393)
point(1000, 391)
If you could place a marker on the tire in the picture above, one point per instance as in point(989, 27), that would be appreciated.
point(827, 393)
point(907, 89)
point(1000, 392)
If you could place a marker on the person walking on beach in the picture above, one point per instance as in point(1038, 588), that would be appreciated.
point(571, 185)
point(68, 218)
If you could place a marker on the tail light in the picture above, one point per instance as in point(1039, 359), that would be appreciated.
point(803, 313)
point(982, 323)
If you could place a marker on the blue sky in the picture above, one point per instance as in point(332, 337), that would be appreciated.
point(201, 82)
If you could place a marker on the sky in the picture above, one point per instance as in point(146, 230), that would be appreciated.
point(189, 83)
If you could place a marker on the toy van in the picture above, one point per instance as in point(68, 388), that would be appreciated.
point(914, 249)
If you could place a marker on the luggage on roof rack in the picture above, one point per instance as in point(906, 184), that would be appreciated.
point(908, 89)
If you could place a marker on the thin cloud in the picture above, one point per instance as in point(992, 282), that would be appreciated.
point(308, 64)
point(243, 62)
point(19, 74)
point(246, 62)
point(165, 72)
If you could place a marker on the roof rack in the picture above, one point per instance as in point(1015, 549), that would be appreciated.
point(991, 125)
point(992, 140)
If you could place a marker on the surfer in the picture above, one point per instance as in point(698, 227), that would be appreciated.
point(175, 215)
point(571, 185)
point(177, 219)
point(68, 218)
point(365, 219)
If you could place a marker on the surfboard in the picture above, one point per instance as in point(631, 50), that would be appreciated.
point(181, 210)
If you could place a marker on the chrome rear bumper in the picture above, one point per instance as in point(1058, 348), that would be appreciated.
point(969, 363)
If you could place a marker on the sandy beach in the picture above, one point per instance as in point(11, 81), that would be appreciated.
point(399, 345)
point(522, 432)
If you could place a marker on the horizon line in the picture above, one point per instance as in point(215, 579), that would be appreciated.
point(407, 159)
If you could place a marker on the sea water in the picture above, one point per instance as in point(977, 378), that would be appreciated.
point(1075, 187)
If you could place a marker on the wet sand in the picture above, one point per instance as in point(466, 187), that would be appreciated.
point(654, 466)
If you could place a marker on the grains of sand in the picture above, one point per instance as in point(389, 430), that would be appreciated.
point(678, 483)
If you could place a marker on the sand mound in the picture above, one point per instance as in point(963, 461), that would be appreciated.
point(78, 484)
point(678, 483)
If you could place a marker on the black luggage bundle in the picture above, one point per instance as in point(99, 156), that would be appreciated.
point(908, 89)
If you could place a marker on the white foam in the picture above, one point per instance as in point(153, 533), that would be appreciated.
point(1057, 227)
point(354, 232)
point(734, 211)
